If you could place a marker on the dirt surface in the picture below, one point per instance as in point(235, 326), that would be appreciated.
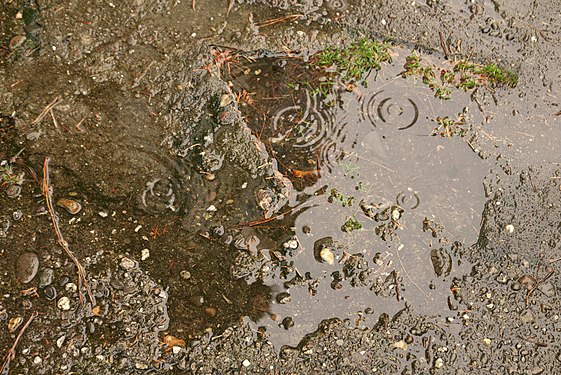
point(205, 219)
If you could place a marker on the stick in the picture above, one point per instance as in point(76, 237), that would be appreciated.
point(48, 192)
point(47, 109)
point(12, 352)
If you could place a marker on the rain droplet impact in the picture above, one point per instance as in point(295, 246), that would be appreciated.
point(402, 113)
point(338, 5)
point(408, 199)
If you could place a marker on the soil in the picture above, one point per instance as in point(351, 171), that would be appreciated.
point(229, 221)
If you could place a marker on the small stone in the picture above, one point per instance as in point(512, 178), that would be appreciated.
point(49, 292)
point(211, 208)
point(17, 215)
point(439, 363)
point(127, 264)
point(64, 304)
point(141, 365)
point(103, 214)
point(527, 317)
point(487, 341)
point(70, 205)
point(185, 274)
point(283, 298)
point(246, 363)
point(60, 341)
point(46, 277)
point(26, 267)
point(327, 256)
point(176, 349)
point(144, 254)
point(71, 287)
point(37, 360)
point(287, 322)
point(17, 41)
point(14, 323)
point(547, 288)
point(211, 311)
point(509, 228)
point(400, 345)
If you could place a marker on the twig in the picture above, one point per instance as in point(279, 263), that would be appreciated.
point(274, 21)
point(194, 4)
point(230, 7)
point(48, 192)
point(396, 285)
point(47, 109)
point(12, 352)
point(55, 122)
point(443, 45)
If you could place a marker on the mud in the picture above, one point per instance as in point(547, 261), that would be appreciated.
point(204, 214)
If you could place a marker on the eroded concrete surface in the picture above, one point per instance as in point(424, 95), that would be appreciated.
point(172, 176)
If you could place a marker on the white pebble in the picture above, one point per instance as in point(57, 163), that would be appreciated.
point(144, 254)
point(246, 363)
point(127, 264)
point(64, 304)
point(103, 214)
point(509, 228)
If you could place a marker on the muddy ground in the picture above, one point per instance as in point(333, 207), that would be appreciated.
point(134, 105)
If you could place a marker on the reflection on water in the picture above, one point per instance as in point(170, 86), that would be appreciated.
point(390, 199)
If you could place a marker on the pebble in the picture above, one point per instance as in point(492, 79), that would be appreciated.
point(287, 322)
point(46, 277)
point(185, 274)
point(17, 215)
point(127, 263)
point(103, 214)
point(211, 311)
point(49, 293)
point(144, 254)
point(14, 323)
point(27, 266)
point(70, 205)
point(327, 256)
point(246, 363)
point(60, 341)
point(64, 304)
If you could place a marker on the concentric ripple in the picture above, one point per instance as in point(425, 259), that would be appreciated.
point(408, 199)
point(153, 178)
point(401, 113)
point(312, 129)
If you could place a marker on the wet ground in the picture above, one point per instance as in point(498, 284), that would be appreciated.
point(228, 217)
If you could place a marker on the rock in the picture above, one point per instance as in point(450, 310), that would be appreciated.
point(27, 266)
point(46, 277)
point(70, 205)
point(64, 304)
point(127, 263)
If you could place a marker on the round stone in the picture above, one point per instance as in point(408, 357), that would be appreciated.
point(27, 266)
point(64, 304)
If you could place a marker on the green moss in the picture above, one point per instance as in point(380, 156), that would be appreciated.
point(351, 224)
point(350, 65)
point(464, 75)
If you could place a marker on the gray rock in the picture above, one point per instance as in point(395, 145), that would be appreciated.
point(27, 266)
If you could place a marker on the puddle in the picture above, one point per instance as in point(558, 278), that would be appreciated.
point(381, 200)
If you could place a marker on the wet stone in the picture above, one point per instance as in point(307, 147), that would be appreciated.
point(26, 267)
point(17, 215)
point(46, 277)
point(49, 293)
point(4, 226)
point(441, 261)
point(527, 316)
point(127, 264)
point(283, 298)
point(70, 205)
point(548, 289)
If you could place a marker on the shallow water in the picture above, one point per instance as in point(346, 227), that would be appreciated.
point(374, 146)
